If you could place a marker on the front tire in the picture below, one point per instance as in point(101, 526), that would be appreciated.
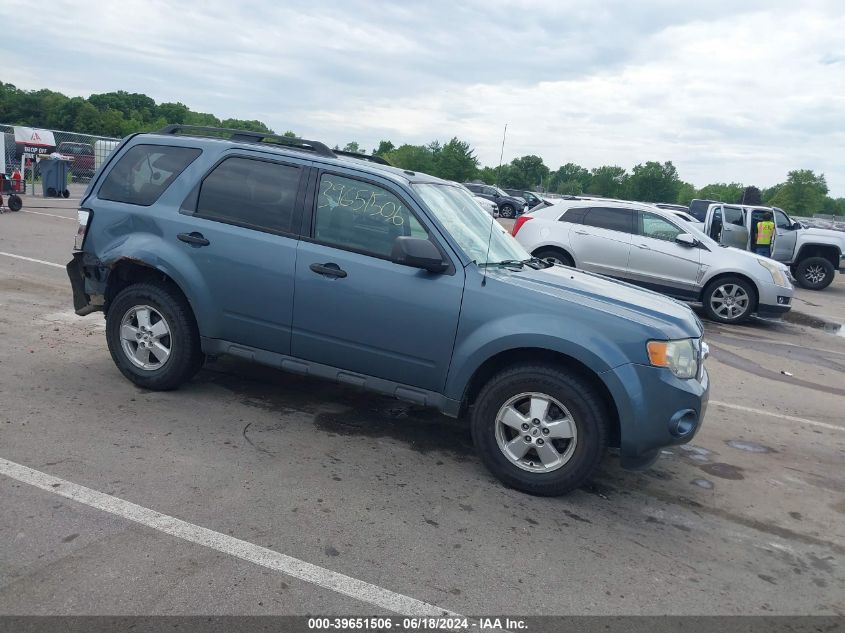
point(539, 429)
point(814, 273)
point(729, 300)
point(152, 336)
point(507, 211)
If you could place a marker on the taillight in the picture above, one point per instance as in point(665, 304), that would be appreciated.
point(519, 222)
point(84, 216)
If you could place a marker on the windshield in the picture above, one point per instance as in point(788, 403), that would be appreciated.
point(470, 225)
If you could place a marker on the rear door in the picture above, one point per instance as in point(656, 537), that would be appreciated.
point(734, 231)
point(602, 241)
point(240, 228)
point(658, 262)
point(356, 309)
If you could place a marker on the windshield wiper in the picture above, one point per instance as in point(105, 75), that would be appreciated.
point(506, 262)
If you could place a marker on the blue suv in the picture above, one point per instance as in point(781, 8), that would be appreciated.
point(198, 242)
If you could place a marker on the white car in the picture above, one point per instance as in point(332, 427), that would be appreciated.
point(653, 248)
point(686, 217)
point(488, 205)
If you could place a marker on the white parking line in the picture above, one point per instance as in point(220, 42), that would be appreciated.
point(308, 572)
point(791, 418)
point(52, 215)
point(32, 259)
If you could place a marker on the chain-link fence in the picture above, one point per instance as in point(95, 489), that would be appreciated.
point(23, 148)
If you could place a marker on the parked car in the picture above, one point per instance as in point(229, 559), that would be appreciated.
point(82, 154)
point(488, 205)
point(686, 217)
point(672, 207)
point(698, 208)
point(650, 247)
point(509, 206)
point(385, 279)
point(531, 199)
point(813, 255)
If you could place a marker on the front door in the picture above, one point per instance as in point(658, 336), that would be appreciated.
point(357, 310)
point(660, 263)
point(239, 231)
point(783, 247)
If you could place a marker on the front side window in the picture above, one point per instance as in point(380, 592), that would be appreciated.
point(253, 193)
point(657, 227)
point(145, 172)
point(781, 220)
point(361, 216)
point(610, 218)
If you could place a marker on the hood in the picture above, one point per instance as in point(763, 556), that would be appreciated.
point(829, 234)
point(669, 318)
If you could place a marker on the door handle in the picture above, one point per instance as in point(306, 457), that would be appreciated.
point(581, 233)
point(197, 239)
point(645, 247)
point(328, 270)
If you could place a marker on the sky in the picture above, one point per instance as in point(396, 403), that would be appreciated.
point(729, 91)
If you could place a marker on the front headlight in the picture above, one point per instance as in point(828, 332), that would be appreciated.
point(680, 357)
point(779, 276)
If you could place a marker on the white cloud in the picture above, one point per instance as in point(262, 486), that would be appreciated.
point(727, 93)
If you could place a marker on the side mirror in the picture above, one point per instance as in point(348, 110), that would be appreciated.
point(685, 239)
point(418, 252)
point(795, 226)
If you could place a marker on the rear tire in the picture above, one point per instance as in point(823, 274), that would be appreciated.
point(555, 256)
point(553, 403)
point(729, 300)
point(138, 346)
point(814, 273)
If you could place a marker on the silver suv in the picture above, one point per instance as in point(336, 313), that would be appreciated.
point(650, 247)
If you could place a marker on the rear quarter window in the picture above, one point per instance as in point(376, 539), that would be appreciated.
point(145, 172)
point(574, 216)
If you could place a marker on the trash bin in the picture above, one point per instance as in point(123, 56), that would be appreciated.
point(54, 173)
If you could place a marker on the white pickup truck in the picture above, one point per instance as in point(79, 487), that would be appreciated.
point(813, 255)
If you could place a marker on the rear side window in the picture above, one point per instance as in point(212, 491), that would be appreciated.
point(733, 215)
point(145, 172)
point(611, 218)
point(252, 193)
point(575, 216)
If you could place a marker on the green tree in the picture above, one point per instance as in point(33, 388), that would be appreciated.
point(290, 134)
point(510, 177)
point(412, 157)
point(455, 161)
point(354, 148)
point(686, 193)
point(834, 206)
point(803, 193)
point(384, 148)
point(533, 169)
point(607, 181)
point(721, 191)
point(251, 126)
point(569, 179)
point(654, 182)
point(750, 195)
point(173, 112)
point(487, 175)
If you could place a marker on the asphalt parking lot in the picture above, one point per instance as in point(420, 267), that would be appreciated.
point(296, 496)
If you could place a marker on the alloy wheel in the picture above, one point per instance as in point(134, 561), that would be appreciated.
point(814, 274)
point(730, 301)
point(536, 432)
point(145, 337)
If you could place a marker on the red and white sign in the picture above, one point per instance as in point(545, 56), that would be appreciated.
point(34, 136)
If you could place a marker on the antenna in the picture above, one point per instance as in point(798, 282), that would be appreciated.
point(499, 170)
point(487, 255)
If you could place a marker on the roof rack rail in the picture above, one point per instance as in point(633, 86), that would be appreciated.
point(247, 136)
point(373, 159)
